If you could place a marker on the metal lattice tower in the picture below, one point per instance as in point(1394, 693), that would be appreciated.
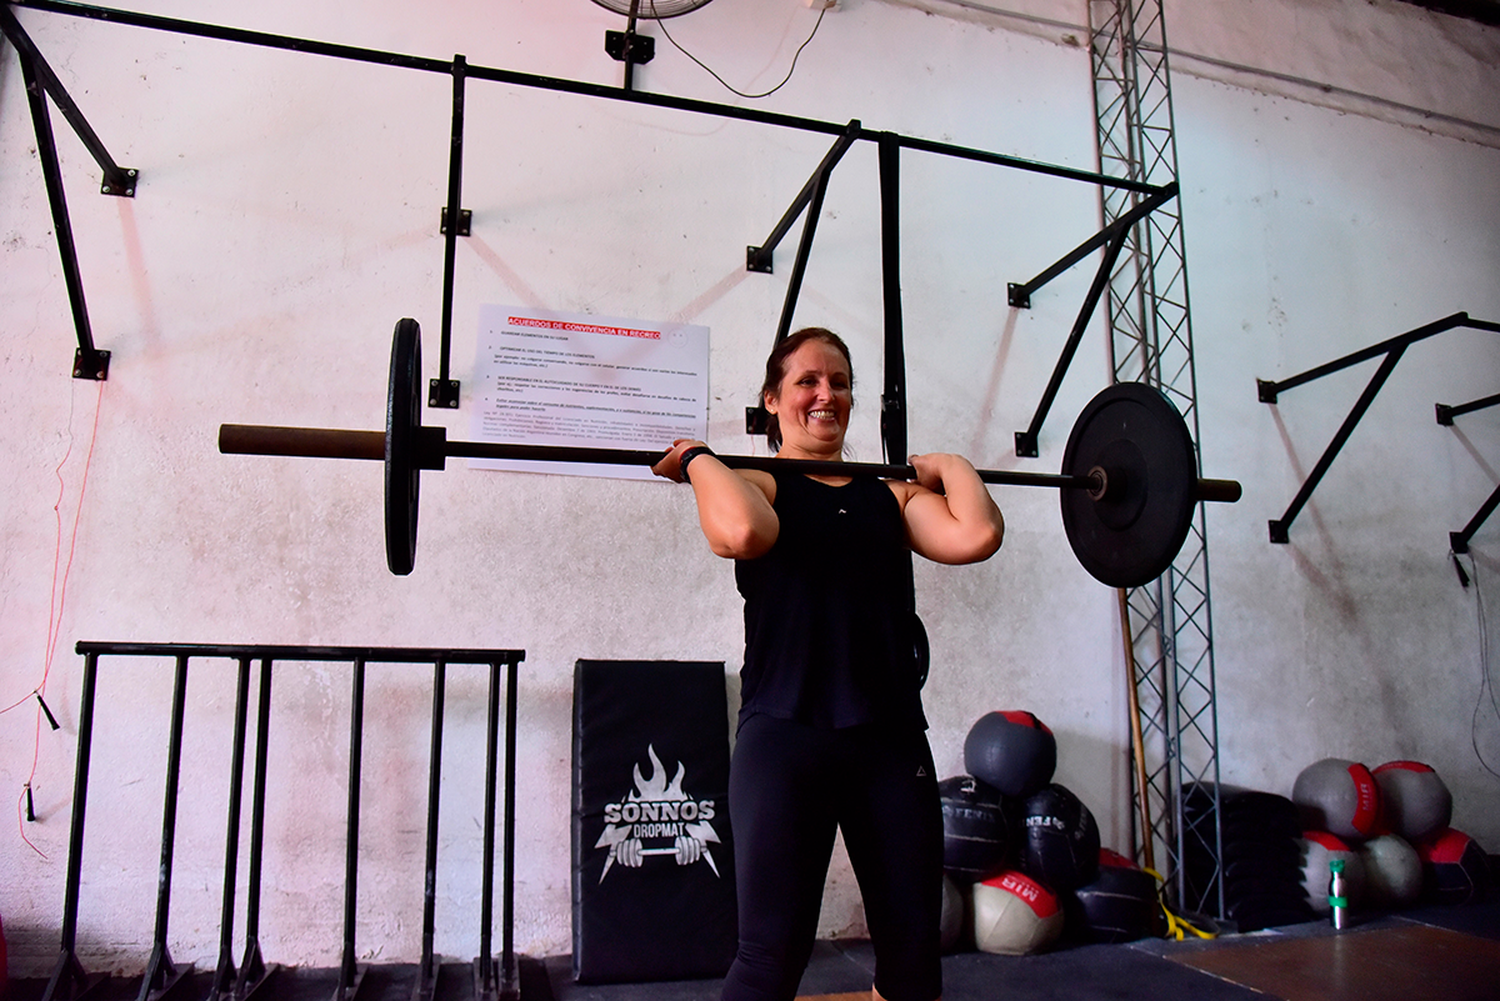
point(1151, 341)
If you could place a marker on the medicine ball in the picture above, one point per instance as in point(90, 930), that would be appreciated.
point(1414, 801)
point(1393, 872)
point(1338, 796)
point(954, 911)
point(1015, 915)
point(1012, 751)
point(1317, 849)
point(976, 837)
point(1119, 906)
point(1060, 840)
point(1455, 870)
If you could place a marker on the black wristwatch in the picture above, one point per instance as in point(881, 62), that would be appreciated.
point(689, 456)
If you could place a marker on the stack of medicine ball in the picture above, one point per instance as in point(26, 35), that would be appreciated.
point(1021, 853)
point(1390, 826)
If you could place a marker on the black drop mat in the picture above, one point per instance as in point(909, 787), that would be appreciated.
point(1481, 919)
point(1147, 970)
point(1113, 972)
point(562, 988)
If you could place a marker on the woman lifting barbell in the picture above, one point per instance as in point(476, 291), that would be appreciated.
point(831, 730)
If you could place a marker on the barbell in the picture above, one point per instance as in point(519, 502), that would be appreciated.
point(1129, 482)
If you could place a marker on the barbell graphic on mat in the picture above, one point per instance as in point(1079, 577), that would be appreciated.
point(1129, 482)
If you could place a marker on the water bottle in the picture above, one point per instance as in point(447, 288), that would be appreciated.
point(1338, 899)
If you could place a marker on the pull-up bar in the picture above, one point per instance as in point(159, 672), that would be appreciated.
point(443, 391)
point(609, 92)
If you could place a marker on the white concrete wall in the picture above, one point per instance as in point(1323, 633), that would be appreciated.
point(287, 217)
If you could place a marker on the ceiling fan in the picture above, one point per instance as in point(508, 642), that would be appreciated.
point(627, 46)
point(652, 10)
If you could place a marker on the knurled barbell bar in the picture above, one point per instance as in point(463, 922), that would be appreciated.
point(1129, 483)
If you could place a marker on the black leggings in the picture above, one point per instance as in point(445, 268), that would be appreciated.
point(790, 787)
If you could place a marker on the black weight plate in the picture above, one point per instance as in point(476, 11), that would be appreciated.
point(403, 421)
point(1131, 535)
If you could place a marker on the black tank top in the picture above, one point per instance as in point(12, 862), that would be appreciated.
point(829, 609)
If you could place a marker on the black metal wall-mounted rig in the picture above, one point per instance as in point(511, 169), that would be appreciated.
point(443, 390)
point(1390, 352)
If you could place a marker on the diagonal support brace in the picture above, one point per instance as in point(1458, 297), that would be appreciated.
point(120, 181)
point(1459, 541)
point(759, 258)
point(1019, 294)
point(1027, 442)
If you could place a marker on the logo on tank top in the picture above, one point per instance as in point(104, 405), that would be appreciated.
point(658, 819)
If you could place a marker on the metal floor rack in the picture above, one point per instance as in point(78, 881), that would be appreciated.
point(491, 979)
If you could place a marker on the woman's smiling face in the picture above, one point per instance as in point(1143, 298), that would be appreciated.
point(813, 401)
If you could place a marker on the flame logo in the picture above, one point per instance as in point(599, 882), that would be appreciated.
point(658, 810)
point(655, 788)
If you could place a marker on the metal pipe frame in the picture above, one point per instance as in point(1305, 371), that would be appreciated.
point(759, 258)
point(1027, 442)
point(1446, 413)
point(351, 973)
point(225, 974)
point(444, 392)
point(70, 980)
point(253, 969)
point(430, 65)
point(484, 965)
point(1280, 527)
point(118, 180)
point(88, 361)
point(1458, 542)
point(161, 973)
point(68, 976)
point(811, 197)
point(488, 986)
point(1019, 294)
point(427, 969)
point(799, 265)
point(1392, 349)
point(1269, 390)
point(893, 400)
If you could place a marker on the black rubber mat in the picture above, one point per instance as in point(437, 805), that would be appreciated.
point(1455, 948)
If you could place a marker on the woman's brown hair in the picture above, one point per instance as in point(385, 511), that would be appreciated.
point(776, 371)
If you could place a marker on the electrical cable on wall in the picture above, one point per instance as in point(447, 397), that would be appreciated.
point(790, 70)
point(57, 600)
point(1486, 679)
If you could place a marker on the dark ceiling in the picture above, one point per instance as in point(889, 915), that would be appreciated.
point(1486, 11)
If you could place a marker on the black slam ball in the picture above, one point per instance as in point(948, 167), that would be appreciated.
point(1061, 841)
point(1012, 751)
point(975, 829)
